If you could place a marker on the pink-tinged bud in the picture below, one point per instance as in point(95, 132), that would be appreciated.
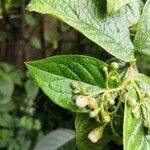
point(81, 101)
point(92, 103)
point(96, 134)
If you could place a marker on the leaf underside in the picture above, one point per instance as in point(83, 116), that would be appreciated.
point(89, 17)
point(142, 38)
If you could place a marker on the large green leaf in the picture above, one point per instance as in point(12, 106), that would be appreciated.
point(142, 38)
point(60, 139)
point(89, 17)
point(134, 133)
point(55, 76)
point(131, 12)
point(84, 124)
point(115, 5)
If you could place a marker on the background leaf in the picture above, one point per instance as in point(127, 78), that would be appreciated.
point(107, 32)
point(31, 89)
point(6, 85)
point(60, 139)
point(55, 76)
point(142, 38)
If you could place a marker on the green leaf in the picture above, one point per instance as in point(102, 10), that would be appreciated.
point(134, 133)
point(6, 120)
point(7, 107)
point(143, 82)
point(84, 124)
point(115, 5)
point(6, 85)
point(55, 76)
point(131, 12)
point(58, 140)
point(31, 89)
point(88, 17)
point(30, 20)
point(35, 42)
point(142, 38)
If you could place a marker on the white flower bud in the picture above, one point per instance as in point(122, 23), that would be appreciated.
point(92, 103)
point(81, 101)
point(96, 134)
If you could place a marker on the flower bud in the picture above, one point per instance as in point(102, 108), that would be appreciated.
point(114, 65)
point(111, 102)
point(147, 123)
point(81, 101)
point(94, 113)
point(92, 103)
point(136, 112)
point(105, 69)
point(96, 134)
point(76, 91)
point(132, 102)
point(75, 86)
point(105, 117)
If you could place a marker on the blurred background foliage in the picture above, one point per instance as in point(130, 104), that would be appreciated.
point(26, 114)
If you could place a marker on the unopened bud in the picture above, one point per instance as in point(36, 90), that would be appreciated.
point(94, 113)
point(113, 78)
point(114, 65)
point(106, 118)
point(81, 101)
point(105, 69)
point(76, 91)
point(96, 134)
point(92, 103)
point(136, 112)
point(75, 86)
point(132, 102)
point(111, 102)
point(147, 123)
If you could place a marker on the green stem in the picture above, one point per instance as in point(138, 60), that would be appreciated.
point(137, 89)
point(112, 128)
point(111, 90)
